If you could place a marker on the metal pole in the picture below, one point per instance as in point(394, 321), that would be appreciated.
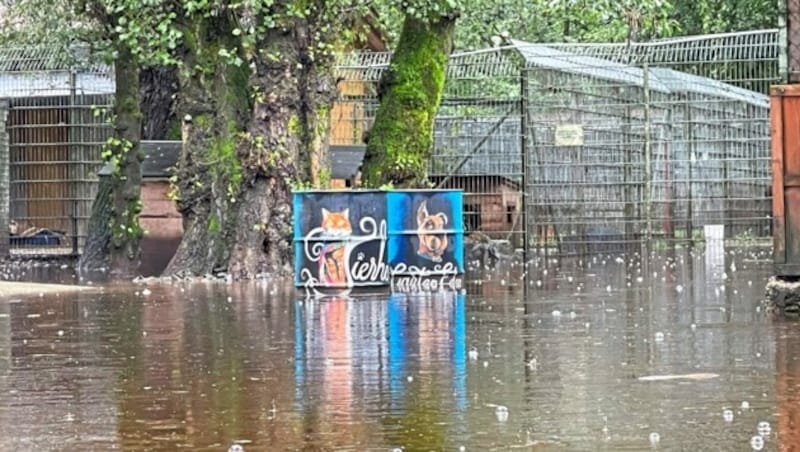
point(523, 128)
point(690, 163)
point(648, 171)
point(5, 183)
point(73, 192)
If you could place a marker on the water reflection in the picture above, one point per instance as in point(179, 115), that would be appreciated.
point(202, 366)
point(370, 359)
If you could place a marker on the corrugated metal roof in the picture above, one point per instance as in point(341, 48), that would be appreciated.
point(543, 56)
point(681, 82)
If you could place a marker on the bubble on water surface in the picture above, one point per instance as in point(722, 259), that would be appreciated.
point(764, 428)
point(659, 337)
point(655, 438)
point(757, 442)
point(727, 415)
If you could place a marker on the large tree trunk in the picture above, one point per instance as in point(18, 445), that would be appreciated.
point(240, 159)
point(157, 89)
point(401, 139)
point(95, 253)
point(126, 175)
point(158, 86)
point(292, 127)
point(215, 104)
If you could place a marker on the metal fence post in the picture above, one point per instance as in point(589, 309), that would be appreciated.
point(648, 169)
point(5, 183)
point(524, 162)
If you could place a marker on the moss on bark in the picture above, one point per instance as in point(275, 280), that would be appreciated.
point(126, 175)
point(401, 138)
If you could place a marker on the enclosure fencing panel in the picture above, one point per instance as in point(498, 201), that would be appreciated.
point(570, 148)
point(57, 124)
point(641, 141)
point(476, 133)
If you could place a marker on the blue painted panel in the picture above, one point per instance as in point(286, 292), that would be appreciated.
point(411, 240)
point(426, 239)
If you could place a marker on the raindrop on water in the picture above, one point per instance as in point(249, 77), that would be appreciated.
point(501, 413)
point(659, 337)
point(757, 442)
point(679, 288)
point(655, 438)
point(556, 313)
point(473, 354)
point(410, 378)
point(764, 428)
point(146, 292)
point(236, 448)
point(745, 405)
point(727, 415)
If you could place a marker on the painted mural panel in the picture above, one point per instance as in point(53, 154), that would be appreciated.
point(426, 231)
point(411, 241)
point(340, 240)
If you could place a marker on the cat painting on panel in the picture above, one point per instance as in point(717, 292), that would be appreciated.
point(333, 265)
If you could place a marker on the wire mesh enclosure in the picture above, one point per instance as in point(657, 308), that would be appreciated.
point(621, 144)
point(559, 148)
point(648, 141)
point(56, 125)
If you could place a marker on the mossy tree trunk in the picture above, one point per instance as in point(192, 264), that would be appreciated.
point(156, 87)
point(214, 102)
point(126, 175)
point(287, 138)
point(401, 139)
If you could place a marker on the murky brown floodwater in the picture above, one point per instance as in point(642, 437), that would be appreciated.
point(202, 366)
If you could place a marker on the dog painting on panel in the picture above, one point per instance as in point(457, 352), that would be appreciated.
point(430, 231)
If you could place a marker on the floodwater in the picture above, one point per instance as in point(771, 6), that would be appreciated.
point(606, 354)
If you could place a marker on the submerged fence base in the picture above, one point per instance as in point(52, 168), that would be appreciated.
point(407, 241)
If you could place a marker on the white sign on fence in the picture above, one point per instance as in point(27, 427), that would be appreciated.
point(569, 135)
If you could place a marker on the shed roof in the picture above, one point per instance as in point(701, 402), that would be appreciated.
point(668, 81)
point(346, 160)
point(681, 82)
point(543, 56)
point(159, 157)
